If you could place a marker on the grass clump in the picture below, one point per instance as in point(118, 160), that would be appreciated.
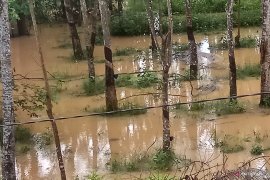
point(125, 51)
point(163, 160)
point(248, 70)
point(44, 139)
point(248, 42)
point(225, 107)
point(125, 80)
point(231, 144)
point(256, 149)
point(159, 176)
point(92, 88)
point(144, 80)
point(94, 176)
point(133, 109)
point(147, 80)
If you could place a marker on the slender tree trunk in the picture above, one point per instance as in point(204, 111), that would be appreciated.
point(63, 9)
point(110, 2)
point(8, 149)
point(232, 66)
point(151, 21)
point(192, 43)
point(166, 57)
point(237, 38)
point(111, 98)
point(120, 5)
point(265, 52)
point(76, 43)
point(153, 44)
point(90, 21)
point(22, 25)
point(48, 95)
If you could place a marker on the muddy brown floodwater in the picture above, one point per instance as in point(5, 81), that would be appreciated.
point(89, 143)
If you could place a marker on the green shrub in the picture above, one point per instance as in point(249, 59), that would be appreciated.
point(44, 139)
point(92, 88)
point(133, 109)
point(248, 70)
point(161, 177)
point(94, 176)
point(125, 51)
point(147, 79)
point(163, 160)
point(227, 107)
point(125, 80)
point(256, 149)
point(265, 102)
point(231, 144)
point(23, 135)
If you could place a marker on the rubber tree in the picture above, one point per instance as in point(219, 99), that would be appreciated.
point(76, 43)
point(90, 26)
point(48, 95)
point(110, 94)
point(8, 149)
point(238, 36)
point(165, 50)
point(265, 54)
point(232, 65)
point(192, 43)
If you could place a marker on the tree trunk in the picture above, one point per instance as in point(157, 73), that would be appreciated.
point(166, 56)
point(265, 52)
point(8, 149)
point(151, 21)
point(22, 25)
point(90, 21)
point(111, 98)
point(192, 43)
point(63, 9)
point(232, 66)
point(110, 5)
point(48, 95)
point(120, 5)
point(237, 38)
point(76, 43)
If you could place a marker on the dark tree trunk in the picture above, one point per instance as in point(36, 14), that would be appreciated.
point(192, 43)
point(63, 9)
point(232, 65)
point(48, 96)
point(110, 2)
point(23, 27)
point(111, 98)
point(90, 21)
point(265, 52)
point(8, 149)
point(153, 44)
point(76, 43)
point(237, 38)
point(120, 5)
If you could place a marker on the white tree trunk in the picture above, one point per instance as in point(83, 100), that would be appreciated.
point(8, 151)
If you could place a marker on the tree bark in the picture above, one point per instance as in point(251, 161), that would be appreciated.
point(63, 9)
point(111, 98)
point(48, 95)
point(90, 22)
point(120, 5)
point(166, 58)
point(265, 52)
point(8, 149)
point(237, 38)
point(192, 43)
point(151, 22)
point(22, 25)
point(232, 65)
point(76, 43)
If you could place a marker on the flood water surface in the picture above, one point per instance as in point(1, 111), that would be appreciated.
point(89, 143)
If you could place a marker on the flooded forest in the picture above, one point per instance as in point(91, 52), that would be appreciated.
point(135, 89)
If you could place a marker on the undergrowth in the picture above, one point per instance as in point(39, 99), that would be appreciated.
point(92, 88)
point(248, 70)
